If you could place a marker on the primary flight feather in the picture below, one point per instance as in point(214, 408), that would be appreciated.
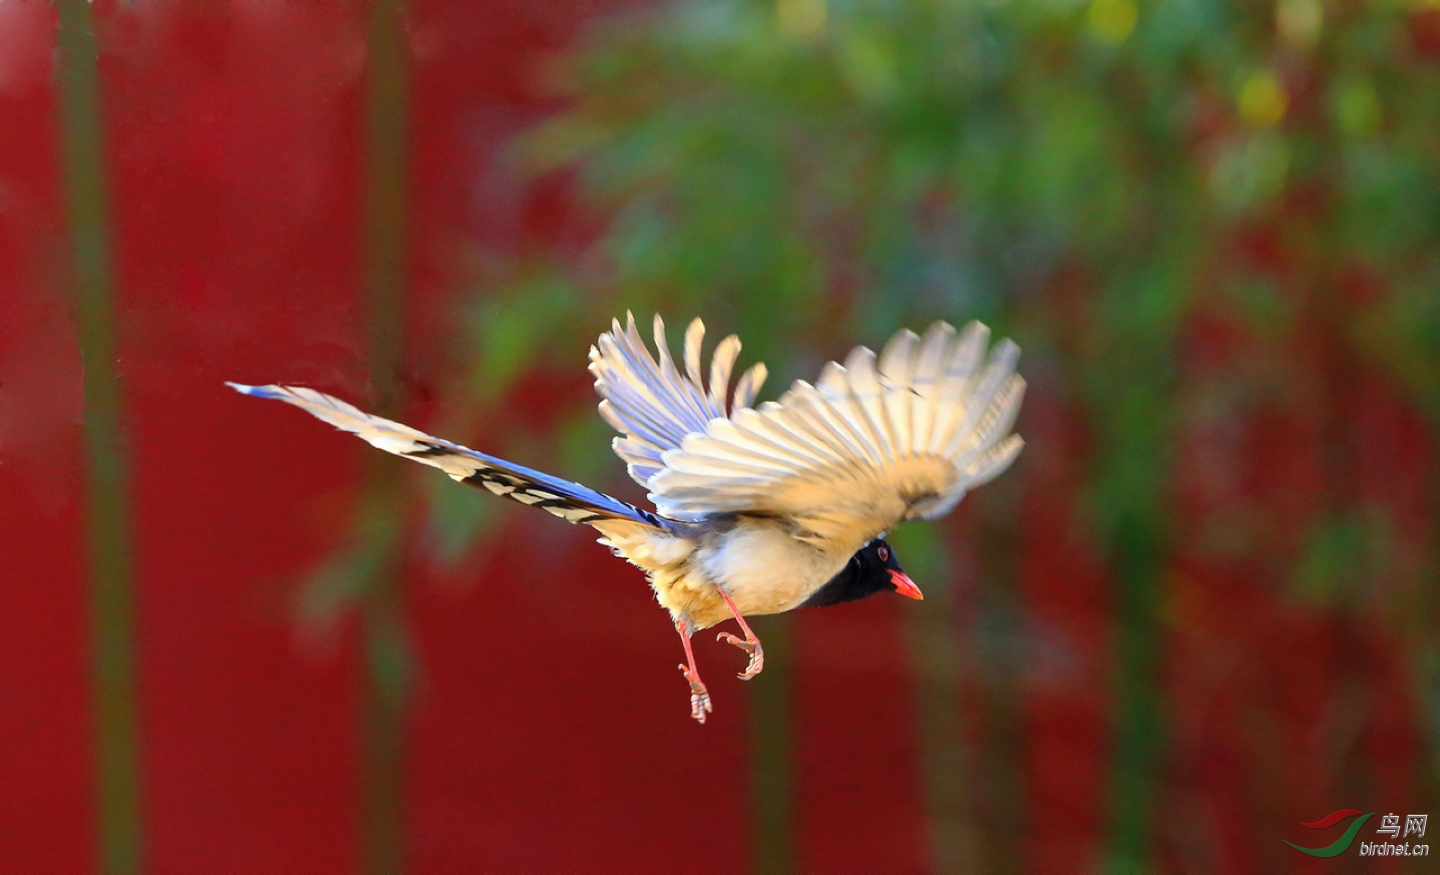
point(758, 510)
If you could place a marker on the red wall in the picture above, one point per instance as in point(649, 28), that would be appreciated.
point(547, 730)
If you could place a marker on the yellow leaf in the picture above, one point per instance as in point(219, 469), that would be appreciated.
point(1111, 21)
point(801, 18)
point(1263, 100)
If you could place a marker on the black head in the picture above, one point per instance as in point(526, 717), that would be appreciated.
point(873, 569)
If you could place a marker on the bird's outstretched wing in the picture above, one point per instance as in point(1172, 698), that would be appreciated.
point(652, 404)
point(569, 501)
point(871, 443)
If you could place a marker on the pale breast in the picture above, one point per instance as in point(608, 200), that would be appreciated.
point(764, 569)
point(758, 562)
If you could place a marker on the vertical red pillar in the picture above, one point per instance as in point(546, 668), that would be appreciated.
point(232, 134)
point(46, 742)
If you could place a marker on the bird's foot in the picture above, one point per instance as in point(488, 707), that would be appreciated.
point(750, 646)
point(699, 696)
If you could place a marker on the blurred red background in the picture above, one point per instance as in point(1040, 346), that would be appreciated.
point(546, 730)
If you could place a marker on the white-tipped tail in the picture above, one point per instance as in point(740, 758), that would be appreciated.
point(558, 497)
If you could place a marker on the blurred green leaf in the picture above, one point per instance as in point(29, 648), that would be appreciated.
point(1342, 554)
point(1116, 183)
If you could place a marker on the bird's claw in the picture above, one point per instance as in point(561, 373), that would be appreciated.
point(699, 696)
point(750, 646)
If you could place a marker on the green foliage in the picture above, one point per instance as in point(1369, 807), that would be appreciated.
point(357, 578)
point(1075, 173)
point(1093, 177)
point(1343, 554)
point(1079, 174)
point(510, 332)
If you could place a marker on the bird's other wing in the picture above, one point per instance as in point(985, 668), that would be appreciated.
point(569, 501)
point(652, 404)
point(871, 443)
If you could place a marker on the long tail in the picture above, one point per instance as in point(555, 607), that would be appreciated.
point(569, 501)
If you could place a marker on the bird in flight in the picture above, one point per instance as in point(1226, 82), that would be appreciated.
point(758, 510)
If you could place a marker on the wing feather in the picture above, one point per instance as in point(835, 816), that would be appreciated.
point(722, 362)
point(934, 352)
point(788, 432)
point(1001, 368)
point(955, 385)
point(694, 339)
point(897, 363)
point(749, 385)
point(993, 462)
point(865, 393)
point(879, 439)
point(653, 405)
point(753, 427)
point(696, 411)
point(825, 422)
point(846, 416)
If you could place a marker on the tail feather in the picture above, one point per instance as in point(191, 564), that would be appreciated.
point(569, 501)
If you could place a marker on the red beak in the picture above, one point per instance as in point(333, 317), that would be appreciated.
point(905, 586)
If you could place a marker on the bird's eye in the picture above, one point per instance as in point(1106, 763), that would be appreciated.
point(883, 553)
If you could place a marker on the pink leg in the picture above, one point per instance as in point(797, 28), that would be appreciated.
point(699, 696)
point(750, 645)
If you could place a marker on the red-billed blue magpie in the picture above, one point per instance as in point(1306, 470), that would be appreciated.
point(758, 510)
